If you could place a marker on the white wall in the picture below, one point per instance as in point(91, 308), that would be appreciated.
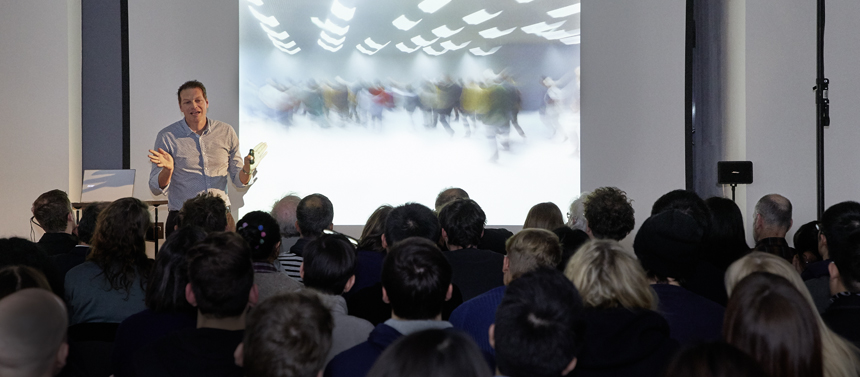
point(40, 43)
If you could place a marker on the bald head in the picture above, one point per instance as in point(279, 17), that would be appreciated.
point(32, 333)
point(773, 217)
point(284, 212)
point(449, 195)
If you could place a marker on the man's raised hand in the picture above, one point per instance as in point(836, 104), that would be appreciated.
point(161, 159)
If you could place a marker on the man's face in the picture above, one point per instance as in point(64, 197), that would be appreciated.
point(193, 105)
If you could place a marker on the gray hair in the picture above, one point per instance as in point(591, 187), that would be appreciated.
point(576, 214)
point(284, 212)
point(775, 210)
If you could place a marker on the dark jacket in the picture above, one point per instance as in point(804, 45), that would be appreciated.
point(57, 243)
point(191, 352)
point(140, 330)
point(356, 361)
point(692, 318)
point(842, 317)
point(475, 271)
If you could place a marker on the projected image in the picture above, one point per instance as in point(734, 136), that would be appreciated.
point(391, 101)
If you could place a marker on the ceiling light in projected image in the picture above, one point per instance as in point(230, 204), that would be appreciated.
point(430, 51)
point(451, 46)
point(402, 47)
point(364, 50)
point(477, 51)
point(269, 21)
point(327, 47)
point(291, 52)
point(404, 23)
point(495, 32)
point(480, 16)
point(541, 27)
point(370, 43)
point(565, 12)
point(430, 6)
point(524, 1)
point(330, 39)
point(571, 41)
point(330, 26)
point(423, 42)
point(444, 32)
point(258, 3)
point(560, 34)
point(282, 44)
point(342, 12)
point(282, 35)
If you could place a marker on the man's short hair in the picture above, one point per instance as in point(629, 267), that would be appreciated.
point(449, 195)
point(89, 217)
point(685, 201)
point(52, 210)
point(329, 262)
point(609, 213)
point(775, 210)
point(416, 276)
point(189, 85)
point(221, 274)
point(463, 220)
point(411, 220)
point(315, 213)
point(207, 210)
point(287, 335)
point(540, 325)
point(838, 222)
point(284, 211)
point(32, 329)
point(531, 249)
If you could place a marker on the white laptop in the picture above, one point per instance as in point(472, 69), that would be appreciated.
point(107, 185)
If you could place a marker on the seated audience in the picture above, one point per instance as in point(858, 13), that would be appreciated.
point(842, 315)
point(619, 307)
point(666, 246)
point(53, 213)
point(416, 281)
point(369, 252)
point(475, 271)
point(284, 212)
point(287, 335)
point(328, 268)
point(544, 216)
point(314, 214)
point(208, 211)
point(806, 244)
point(573, 236)
point(769, 319)
point(840, 357)
point(608, 214)
point(771, 221)
point(716, 359)
point(493, 238)
point(16, 278)
point(431, 353)
point(576, 213)
point(221, 287)
point(726, 242)
point(527, 250)
point(167, 310)
point(110, 285)
point(18, 251)
point(261, 232)
point(85, 229)
point(32, 334)
point(837, 224)
point(539, 328)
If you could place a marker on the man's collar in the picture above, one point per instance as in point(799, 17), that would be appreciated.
point(189, 131)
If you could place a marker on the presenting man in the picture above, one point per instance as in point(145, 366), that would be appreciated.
point(197, 154)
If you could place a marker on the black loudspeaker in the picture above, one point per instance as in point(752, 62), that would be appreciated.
point(734, 172)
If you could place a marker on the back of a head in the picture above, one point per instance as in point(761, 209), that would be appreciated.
point(32, 330)
point(806, 239)
point(727, 226)
point(411, 220)
point(768, 318)
point(416, 277)
point(374, 228)
point(260, 230)
point(607, 276)
point(284, 212)
point(839, 224)
point(463, 221)
point(165, 291)
point(207, 210)
point(576, 213)
point(544, 216)
point(685, 201)
point(329, 263)
point(847, 260)
point(18, 277)
point(716, 359)
point(667, 245)
point(89, 218)
point(449, 195)
point(119, 242)
point(431, 353)
point(18, 251)
point(52, 210)
point(539, 325)
point(314, 214)
point(758, 261)
point(221, 274)
point(775, 210)
point(287, 335)
point(609, 213)
point(531, 249)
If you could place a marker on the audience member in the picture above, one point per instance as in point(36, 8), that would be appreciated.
point(544, 216)
point(837, 224)
point(493, 238)
point(571, 240)
point(206, 210)
point(109, 286)
point(328, 268)
point(806, 244)
point(416, 281)
point(685, 201)
point(539, 328)
point(475, 271)
point(85, 229)
point(527, 250)
point(843, 313)
point(261, 232)
point(53, 212)
point(431, 353)
point(18, 251)
point(666, 246)
point(167, 310)
point(32, 334)
point(771, 221)
point(620, 306)
point(16, 278)
point(284, 211)
point(221, 286)
point(715, 359)
point(576, 213)
point(768, 319)
point(287, 335)
point(314, 214)
point(370, 252)
point(609, 214)
point(449, 195)
point(726, 242)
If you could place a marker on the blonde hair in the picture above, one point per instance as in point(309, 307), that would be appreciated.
point(840, 357)
point(530, 249)
point(609, 276)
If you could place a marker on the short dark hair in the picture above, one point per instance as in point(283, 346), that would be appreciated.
point(431, 353)
point(262, 233)
point(685, 201)
point(52, 210)
point(89, 217)
point(314, 214)
point(775, 210)
point(609, 213)
point(189, 85)
point(463, 221)
point(374, 228)
point(416, 276)
point(806, 239)
point(837, 223)
point(411, 220)
point(717, 359)
point(287, 335)
point(18, 251)
point(165, 291)
point(221, 274)
point(329, 262)
point(544, 215)
point(207, 210)
point(449, 195)
point(726, 241)
point(18, 277)
point(539, 326)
